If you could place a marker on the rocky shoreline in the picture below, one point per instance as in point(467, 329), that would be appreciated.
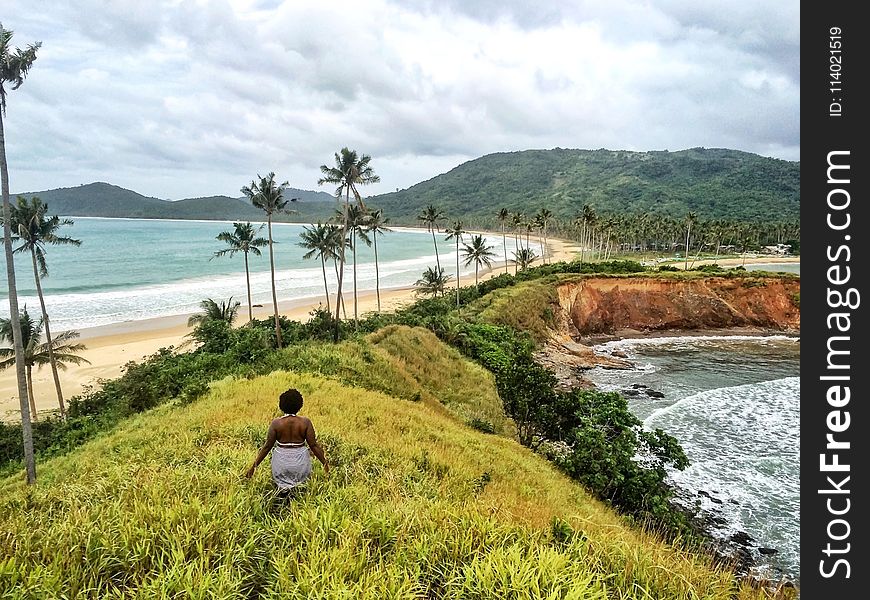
point(570, 357)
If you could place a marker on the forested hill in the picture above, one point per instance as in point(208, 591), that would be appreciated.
point(105, 200)
point(714, 183)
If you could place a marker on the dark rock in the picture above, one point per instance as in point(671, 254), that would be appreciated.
point(716, 500)
point(638, 385)
point(654, 394)
point(742, 538)
point(767, 551)
point(630, 393)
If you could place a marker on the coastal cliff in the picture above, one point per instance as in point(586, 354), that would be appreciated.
point(607, 305)
point(589, 309)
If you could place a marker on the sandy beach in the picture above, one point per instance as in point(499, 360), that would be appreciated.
point(110, 347)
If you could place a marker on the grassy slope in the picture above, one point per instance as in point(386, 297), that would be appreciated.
point(408, 363)
point(417, 504)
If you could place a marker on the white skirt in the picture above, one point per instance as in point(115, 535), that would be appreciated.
point(291, 466)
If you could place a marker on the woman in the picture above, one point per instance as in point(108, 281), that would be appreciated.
point(288, 435)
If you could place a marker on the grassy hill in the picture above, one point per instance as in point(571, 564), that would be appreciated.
point(418, 506)
point(715, 183)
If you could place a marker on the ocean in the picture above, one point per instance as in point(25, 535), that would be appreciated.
point(134, 269)
point(733, 402)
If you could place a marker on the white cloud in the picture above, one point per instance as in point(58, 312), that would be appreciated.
point(183, 98)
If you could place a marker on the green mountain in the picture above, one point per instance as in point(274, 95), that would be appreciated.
point(105, 200)
point(714, 183)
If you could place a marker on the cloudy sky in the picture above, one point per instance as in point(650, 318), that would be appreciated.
point(183, 98)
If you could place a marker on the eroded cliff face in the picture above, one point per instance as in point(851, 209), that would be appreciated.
point(607, 305)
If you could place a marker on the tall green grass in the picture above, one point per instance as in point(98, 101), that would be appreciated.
point(417, 506)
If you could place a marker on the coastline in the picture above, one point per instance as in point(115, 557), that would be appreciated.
point(110, 347)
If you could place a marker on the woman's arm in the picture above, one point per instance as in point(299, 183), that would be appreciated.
point(264, 451)
point(311, 438)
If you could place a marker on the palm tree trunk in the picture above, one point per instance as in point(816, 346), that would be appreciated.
point(51, 360)
point(517, 248)
point(546, 245)
point(339, 300)
point(686, 266)
point(353, 249)
point(434, 241)
point(476, 267)
point(17, 344)
point(504, 243)
point(341, 259)
point(377, 275)
point(274, 295)
point(325, 285)
point(457, 271)
point(30, 398)
point(248, 281)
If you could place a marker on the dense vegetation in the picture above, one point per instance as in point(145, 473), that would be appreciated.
point(716, 183)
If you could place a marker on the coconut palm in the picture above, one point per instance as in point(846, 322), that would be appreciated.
point(243, 239)
point(587, 220)
point(691, 219)
point(516, 222)
point(36, 354)
point(455, 233)
point(543, 219)
point(268, 196)
point(14, 66)
point(377, 225)
point(350, 171)
point(524, 258)
point(503, 216)
point(479, 253)
point(226, 311)
point(433, 282)
point(320, 240)
point(34, 231)
point(430, 217)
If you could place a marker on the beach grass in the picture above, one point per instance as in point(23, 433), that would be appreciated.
point(418, 505)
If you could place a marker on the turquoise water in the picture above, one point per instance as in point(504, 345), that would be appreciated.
point(733, 402)
point(133, 269)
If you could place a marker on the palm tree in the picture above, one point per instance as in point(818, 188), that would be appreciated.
point(543, 218)
point(524, 257)
point(357, 219)
point(37, 354)
point(587, 219)
point(226, 311)
point(517, 221)
point(503, 216)
point(14, 66)
point(433, 282)
point(430, 217)
point(320, 240)
point(350, 170)
point(478, 253)
point(34, 231)
point(455, 233)
point(269, 197)
point(243, 239)
point(377, 225)
point(691, 219)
